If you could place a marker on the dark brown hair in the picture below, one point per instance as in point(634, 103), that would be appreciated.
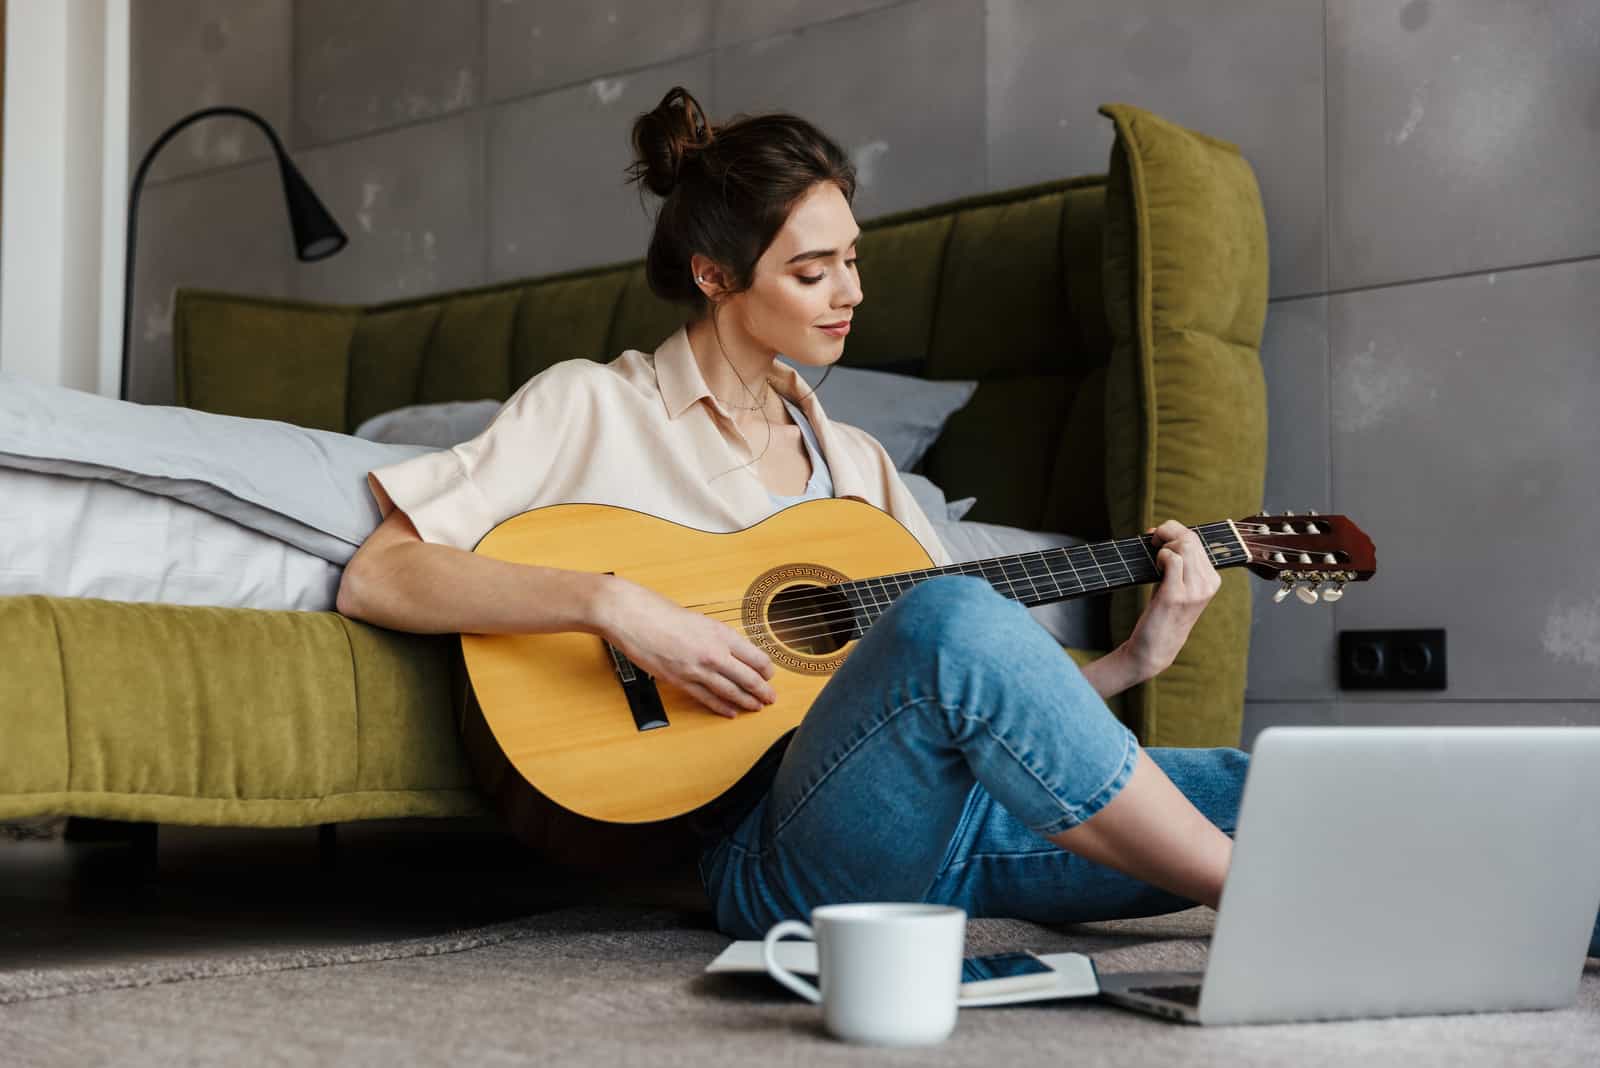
point(726, 190)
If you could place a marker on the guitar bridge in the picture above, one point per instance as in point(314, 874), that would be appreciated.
point(644, 701)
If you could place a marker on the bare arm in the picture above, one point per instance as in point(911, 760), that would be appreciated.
point(399, 581)
point(1188, 582)
point(1118, 670)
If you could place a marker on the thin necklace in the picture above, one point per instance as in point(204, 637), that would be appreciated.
point(762, 403)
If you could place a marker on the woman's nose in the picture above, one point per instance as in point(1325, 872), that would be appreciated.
point(849, 294)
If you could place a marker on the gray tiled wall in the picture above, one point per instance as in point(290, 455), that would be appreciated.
point(1427, 169)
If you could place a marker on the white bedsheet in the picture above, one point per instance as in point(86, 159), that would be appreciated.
point(90, 537)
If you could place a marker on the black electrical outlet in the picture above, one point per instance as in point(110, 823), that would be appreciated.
point(1391, 660)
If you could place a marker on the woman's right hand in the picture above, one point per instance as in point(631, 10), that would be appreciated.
point(709, 660)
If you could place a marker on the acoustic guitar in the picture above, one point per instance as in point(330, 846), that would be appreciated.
point(597, 735)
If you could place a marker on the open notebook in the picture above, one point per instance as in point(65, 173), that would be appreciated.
point(1075, 973)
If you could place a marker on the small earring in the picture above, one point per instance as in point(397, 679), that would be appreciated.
point(699, 280)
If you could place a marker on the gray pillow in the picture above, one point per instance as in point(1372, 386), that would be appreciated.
point(438, 426)
point(903, 412)
point(1081, 623)
point(304, 487)
point(930, 498)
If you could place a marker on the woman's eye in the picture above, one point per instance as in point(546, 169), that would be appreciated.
point(813, 279)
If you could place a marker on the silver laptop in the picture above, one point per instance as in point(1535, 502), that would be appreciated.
point(1395, 871)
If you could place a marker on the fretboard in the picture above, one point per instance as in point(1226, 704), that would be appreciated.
point(1048, 575)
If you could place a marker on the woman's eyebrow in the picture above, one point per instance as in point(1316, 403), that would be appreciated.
point(819, 254)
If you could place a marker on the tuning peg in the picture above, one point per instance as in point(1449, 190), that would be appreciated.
point(1328, 558)
point(1277, 558)
point(1311, 511)
point(1305, 558)
point(1332, 591)
point(1312, 528)
point(1286, 529)
point(1306, 593)
point(1288, 513)
point(1284, 591)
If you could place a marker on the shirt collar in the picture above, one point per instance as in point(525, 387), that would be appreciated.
point(681, 383)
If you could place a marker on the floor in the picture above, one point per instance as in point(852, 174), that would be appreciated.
point(106, 894)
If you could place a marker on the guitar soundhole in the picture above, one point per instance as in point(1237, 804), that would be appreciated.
point(811, 620)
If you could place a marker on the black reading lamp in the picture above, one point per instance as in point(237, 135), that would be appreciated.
point(316, 235)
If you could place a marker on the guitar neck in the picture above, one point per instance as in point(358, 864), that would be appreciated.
point(1048, 575)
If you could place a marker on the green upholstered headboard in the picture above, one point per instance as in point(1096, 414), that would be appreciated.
point(1003, 288)
point(1141, 294)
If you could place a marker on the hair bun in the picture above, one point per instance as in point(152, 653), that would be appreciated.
point(665, 137)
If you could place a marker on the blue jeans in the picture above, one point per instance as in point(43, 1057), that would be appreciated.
point(930, 768)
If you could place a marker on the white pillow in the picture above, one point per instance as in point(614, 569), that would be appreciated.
point(930, 498)
point(437, 426)
point(905, 413)
point(90, 537)
point(304, 487)
point(1081, 623)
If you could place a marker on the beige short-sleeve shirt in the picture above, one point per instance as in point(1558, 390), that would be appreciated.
point(642, 432)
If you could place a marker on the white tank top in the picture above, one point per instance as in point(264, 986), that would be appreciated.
point(821, 482)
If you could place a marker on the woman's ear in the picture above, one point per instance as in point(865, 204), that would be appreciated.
point(709, 277)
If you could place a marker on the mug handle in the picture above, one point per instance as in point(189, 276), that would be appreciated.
point(777, 971)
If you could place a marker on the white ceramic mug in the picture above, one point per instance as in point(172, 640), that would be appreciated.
point(890, 973)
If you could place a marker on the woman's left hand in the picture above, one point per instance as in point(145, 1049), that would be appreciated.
point(1188, 582)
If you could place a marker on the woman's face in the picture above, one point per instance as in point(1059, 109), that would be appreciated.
point(805, 281)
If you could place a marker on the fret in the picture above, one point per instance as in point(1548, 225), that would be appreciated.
point(983, 569)
point(1118, 563)
point(1117, 545)
point(871, 609)
point(1045, 576)
point(1121, 562)
point(1039, 572)
point(861, 614)
point(1068, 583)
point(1089, 550)
point(1066, 554)
point(1021, 582)
point(1014, 570)
point(1145, 545)
point(877, 598)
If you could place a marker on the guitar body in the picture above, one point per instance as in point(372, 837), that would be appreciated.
point(557, 704)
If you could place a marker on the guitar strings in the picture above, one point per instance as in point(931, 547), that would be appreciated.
point(1015, 582)
point(816, 624)
point(731, 603)
point(1022, 559)
point(736, 605)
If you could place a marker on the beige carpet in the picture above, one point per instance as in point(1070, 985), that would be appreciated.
point(613, 985)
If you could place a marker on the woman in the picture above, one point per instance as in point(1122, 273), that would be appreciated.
point(959, 755)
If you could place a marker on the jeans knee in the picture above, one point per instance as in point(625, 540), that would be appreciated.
point(944, 610)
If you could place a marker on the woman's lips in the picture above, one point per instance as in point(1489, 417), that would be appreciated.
point(839, 330)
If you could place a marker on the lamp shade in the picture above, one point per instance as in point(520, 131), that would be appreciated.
point(316, 235)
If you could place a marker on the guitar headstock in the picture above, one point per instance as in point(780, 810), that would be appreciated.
point(1308, 553)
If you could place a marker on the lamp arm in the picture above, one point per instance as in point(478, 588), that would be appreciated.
point(133, 205)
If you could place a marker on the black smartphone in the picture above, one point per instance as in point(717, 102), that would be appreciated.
point(1000, 973)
